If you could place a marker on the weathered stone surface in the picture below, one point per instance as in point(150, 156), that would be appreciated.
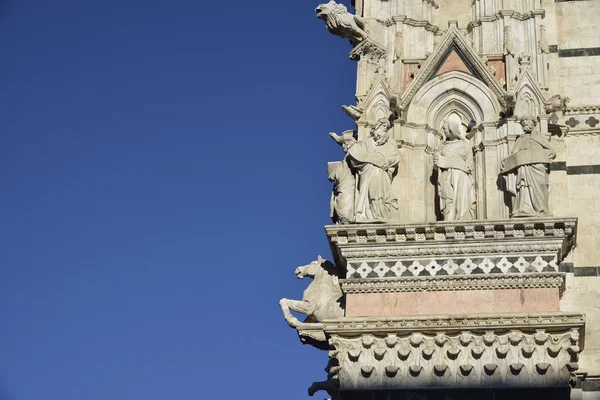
point(452, 302)
point(472, 351)
point(412, 248)
point(452, 248)
point(321, 300)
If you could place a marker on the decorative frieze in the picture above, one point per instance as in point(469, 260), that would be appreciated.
point(528, 245)
point(472, 282)
point(585, 109)
point(516, 352)
point(434, 323)
point(452, 230)
point(452, 266)
point(464, 250)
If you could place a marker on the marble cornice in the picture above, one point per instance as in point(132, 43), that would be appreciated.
point(439, 243)
point(506, 14)
point(452, 283)
point(403, 19)
point(548, 227)
point(452, 248)
point(550, 321)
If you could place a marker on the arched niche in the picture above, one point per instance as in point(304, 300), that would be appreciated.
point(379, 109)
point(463, 94)
point(454, 102)
point(457, 89)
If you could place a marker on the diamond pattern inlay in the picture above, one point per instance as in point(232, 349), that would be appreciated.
point(457, 266)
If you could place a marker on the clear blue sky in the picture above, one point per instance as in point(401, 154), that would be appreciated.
point(162, 173)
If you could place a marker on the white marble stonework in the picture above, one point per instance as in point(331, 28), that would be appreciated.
point(466, 183)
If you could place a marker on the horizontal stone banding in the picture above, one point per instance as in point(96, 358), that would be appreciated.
point(469, 282)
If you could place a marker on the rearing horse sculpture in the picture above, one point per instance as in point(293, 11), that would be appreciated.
point(321, 300)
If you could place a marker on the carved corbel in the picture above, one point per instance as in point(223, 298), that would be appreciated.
point(369, 51)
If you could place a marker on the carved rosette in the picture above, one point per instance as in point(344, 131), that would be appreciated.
point(516, 351)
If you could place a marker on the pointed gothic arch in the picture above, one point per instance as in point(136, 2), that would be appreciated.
point(454, 89)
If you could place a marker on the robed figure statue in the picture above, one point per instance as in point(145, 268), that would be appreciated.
point(344, 182)
point(375, 161)
point(454, 160)
point(526, 172)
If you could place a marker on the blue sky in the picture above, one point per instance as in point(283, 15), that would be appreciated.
point(163, 171)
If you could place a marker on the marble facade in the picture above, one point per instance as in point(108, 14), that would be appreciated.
point(464, 246)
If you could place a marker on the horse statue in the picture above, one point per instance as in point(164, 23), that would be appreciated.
point(321, 300)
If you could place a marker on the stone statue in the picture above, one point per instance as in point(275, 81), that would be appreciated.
point(375, 162)
point(321, 300)
point(526, 172)
point(341, 23)
point(344, 183)
point(456, 187)
point(556, 103)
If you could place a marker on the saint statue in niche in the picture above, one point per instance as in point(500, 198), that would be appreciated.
point(526, 172)
point(454, 160)
point(375, 162)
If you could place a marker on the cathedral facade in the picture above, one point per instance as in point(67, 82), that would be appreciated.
point(465, 255)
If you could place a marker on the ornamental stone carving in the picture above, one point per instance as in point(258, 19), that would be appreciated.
point(526, 172)
point(556, 103)
point(452, 248)
point(509, 44)
point(399, 46)
point(449, 353)
point(342, 23)
point(323, 299)
point(354, 112)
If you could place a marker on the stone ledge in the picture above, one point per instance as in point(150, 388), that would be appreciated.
point(451, 230)
point(550, 238)
point(432, 323)
point(469, 282)
point(584, 109)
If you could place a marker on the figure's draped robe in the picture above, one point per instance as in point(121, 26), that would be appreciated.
point(375, 200)
point(529, 183)
point(456, 188)
point(342, 197)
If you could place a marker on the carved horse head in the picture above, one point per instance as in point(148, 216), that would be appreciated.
point(310, 270)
